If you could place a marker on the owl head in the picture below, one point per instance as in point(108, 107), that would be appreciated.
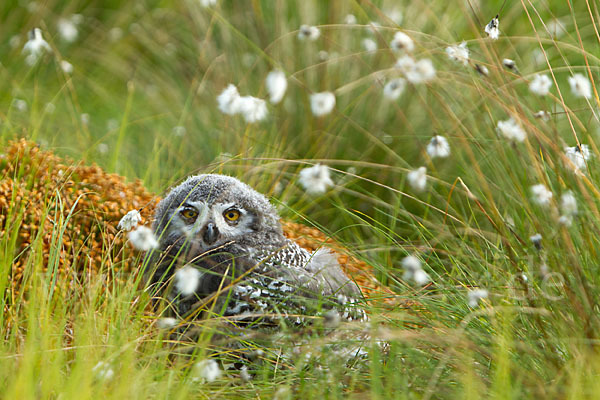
point(210, 211)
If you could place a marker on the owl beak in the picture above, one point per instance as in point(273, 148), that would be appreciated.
point(211, 234)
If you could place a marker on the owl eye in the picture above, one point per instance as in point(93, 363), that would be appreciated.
point(189, 213)
point(231, 215)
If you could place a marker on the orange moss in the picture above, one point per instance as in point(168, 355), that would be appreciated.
point(40, 193)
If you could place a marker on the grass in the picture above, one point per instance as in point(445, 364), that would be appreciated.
point(146, 75)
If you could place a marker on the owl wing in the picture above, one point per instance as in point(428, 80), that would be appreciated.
point(292, 281)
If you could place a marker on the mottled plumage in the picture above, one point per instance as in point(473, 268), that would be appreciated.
point(221, 240)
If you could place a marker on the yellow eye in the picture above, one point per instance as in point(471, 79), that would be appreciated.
point(231, 215)
point(189, 213)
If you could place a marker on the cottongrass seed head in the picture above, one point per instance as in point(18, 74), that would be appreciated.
point(438, 146)
point(228, 100)
point(350, 19)
point(580, 86)
point(402, 42)
point(206, 371)
point(482, 69)
point(166, 323)
point(543, 115)
point(130, 220)
point(568, 203)
point(66, 67)
point(369, 44)
point(416, 72)
point(103, 371)
point(276, 84)
point(35, 47)
point(310, 33)
point(541, 195)
point(394, 88)
point(511, 130)
point(187, 280)
point(315, 180)
point(143, 239)
point(322, 103)
point(568, 208)
point(413, 270)
point(578, 156)
point(252, 109)
point(536, 240)
point(540, 85)
point(458, 53)
point(67, 28)
point(417, 179)
point(332, 319)
point(510, 65)
point(492, 28)
point(476, 295)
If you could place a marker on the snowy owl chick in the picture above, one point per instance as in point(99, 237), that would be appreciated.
point(220, 239)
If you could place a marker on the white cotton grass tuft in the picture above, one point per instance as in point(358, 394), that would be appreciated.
point(492, 28)
point(206, 371)
point(35, 47)
point(244, 374)
point(67, 28)
point(308, 32)
point(580, 86)
point(458, 53)
point(332, 319)
point(540, 85)
point(510, 65)
point(482, 69)
point(536, 240)
point(369, 44)
point(568, 208)
point(475, 296)
point(543, 115)
point(541, 195)
point(179, 131)
point(208, 3)
point(143, 239)
point(416, 72)
point(316, 179)
point(276, 84)
point(556, 28)
point(395, 14)
point(414, 271)
point(578, 156)
point(438, 147)
point(283, 393)
point(166, 323)
point(394, 88)
point(511, 130)
point(103, 148)
point(187, 280)
point(20, 105)
point(350, 19)
point(251, 108)
point(417, 179)
point(103, 371)
point(130, 220)
point(228, 100)
point(66, 67)
point(322, 103)
point(402, 42)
